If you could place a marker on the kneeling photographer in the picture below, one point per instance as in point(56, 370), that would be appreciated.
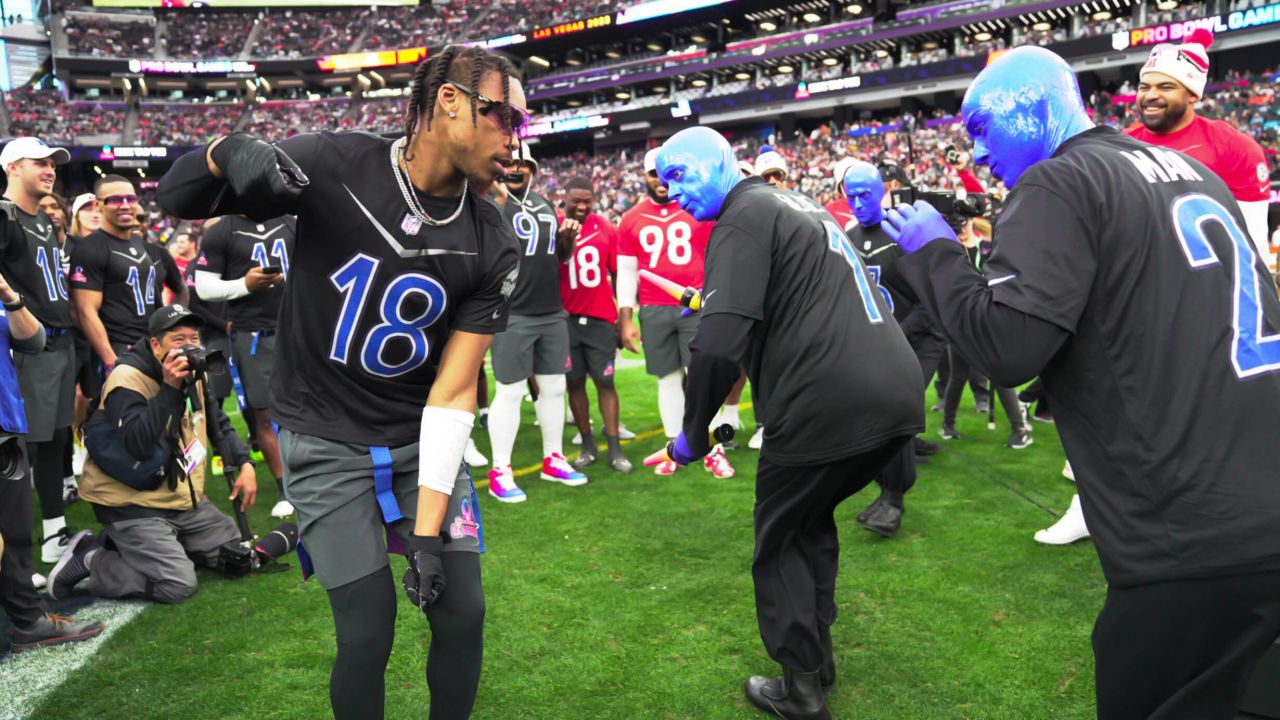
point(148, 440)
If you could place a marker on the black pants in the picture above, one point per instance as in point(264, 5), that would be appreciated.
point(962, 371)
point(364, 618)
point(797, 552)
point(977, 383)
point(899, 474)
point(18, 596)
point(1183, 649)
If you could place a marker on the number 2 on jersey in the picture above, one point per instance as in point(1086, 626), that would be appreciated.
point(1252, 352)
point(353, 280)
point(679, 248)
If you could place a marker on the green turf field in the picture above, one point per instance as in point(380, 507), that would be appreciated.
point(631, 597)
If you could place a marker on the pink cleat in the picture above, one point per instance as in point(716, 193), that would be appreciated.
point(666, 468)
point(556, 469)
point(717, 464)
point(503, 486)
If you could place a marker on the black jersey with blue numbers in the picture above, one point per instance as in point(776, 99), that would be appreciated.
point(131, 276)
point(826, 355)
point(1167, 393)
point(373, 294)
point(534, 223)
point(234, 246)
point(31, 262)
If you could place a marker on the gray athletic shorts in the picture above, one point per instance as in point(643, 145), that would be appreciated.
point(47, 381)
point(254, 354)
point(531, 344)
point(666, 338)
point(593, 343)
point(331, 486)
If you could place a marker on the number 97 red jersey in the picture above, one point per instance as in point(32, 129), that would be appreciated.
point(585, 286)
point(666, 241)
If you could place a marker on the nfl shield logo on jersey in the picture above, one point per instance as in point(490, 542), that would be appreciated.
point(411, 224)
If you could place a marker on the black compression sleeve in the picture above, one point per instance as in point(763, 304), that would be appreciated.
point(1007, 345)
point(714, 366)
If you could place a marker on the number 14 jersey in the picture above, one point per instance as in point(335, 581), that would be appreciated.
point(666, 241)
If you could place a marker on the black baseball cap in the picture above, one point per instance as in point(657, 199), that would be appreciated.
point(166, 317)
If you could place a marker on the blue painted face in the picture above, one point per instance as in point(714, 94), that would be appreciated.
point(1020, 109)
point(864, 189)
point(699, 168)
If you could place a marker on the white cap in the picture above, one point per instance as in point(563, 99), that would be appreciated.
point(31, 148)
point(81, 200)
point(746, 167)
point(839, 170)
point(770, 161)
point(1187, 63)
point(525, 155)
point(651, 160)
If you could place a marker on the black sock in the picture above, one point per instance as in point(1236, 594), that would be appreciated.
point(68, 450)
point(364, 620)
point(589, 441)
point(615, 445)
point(457, 639)
point(46, 468)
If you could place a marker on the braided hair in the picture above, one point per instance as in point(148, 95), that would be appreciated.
point(456, 63)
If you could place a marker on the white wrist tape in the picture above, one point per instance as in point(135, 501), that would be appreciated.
point(442, 440)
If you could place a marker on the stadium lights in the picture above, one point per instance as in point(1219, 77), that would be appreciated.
point(1041, 26)
point(742, 76)
point(1167, 4)
point(610, 53)
point(931, 45)
point(768, 26)
point(654, 45)
point(882, 53)
point(572, 60)
point(574, 103)
point(622, 95)
point(697, 38)
point(785, 69)
point(97, 169)
point(1102, 15)
point(853, 9)
point(540, 61)
point(830, 61)
point(698, 83)
point(982, 36)
point(812, 17)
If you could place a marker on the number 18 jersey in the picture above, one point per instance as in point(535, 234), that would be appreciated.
point(585, 288)
point(666, 241)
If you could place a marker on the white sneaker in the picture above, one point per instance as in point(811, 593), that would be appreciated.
point(473, 456)
point(78, 456)
point(282, 509)
point(577, 439)
point(38, 581)
point(1067, 472)
point(757, 440)
point(624, 433)
point(52, 547)
point(1068, 529)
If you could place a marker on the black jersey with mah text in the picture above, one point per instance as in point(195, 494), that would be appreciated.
point(130, 274)
point(826, 354)
point(236, 245)
point(1167, 394)
point(534, 223)
point(373, 294)
point(31, 262)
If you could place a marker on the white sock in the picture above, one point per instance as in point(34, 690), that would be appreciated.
point(51, 527)
point(504, 421)
point(551, 391)
point(671, 402)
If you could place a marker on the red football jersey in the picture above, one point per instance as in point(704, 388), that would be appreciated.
point(839, 210)
point(585, 287)
point(1232, 155)
point(666, 241)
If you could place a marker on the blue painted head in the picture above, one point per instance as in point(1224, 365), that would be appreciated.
point(1020, 109)
point(699, 169)
point(864, 189)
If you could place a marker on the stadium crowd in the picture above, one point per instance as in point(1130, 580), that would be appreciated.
point(105, 35)
point(202, 35)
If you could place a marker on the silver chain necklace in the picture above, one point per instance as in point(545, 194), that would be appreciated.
point(400, 168)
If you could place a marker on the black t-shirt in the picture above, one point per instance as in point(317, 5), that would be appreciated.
point(1168, 392)
point(129, 274)
point(826, 355)
point(372, 296)
point(31, 262)
point(168, 274)
point(236, 245)
point(878, 253)
point(534, 224)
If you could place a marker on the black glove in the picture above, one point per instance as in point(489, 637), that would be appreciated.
point(259, 170)
point(424, 581)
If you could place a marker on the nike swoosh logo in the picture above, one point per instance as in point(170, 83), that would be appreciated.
point(497, 314)
point(130, 258)
point(997, 280)
point(586, 239)
point(264, 236)
point(396, 246)
point(1191, 147)
point(879, 250)
point(708, 297)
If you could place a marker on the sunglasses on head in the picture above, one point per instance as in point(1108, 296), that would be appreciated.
point(509, 118)
point(116, 200)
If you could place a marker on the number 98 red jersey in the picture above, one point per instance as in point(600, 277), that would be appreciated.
point(585, 287)
point(666, 241)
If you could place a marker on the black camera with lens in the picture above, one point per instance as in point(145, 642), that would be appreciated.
point(202, 360)
point(956, 211)
point(13, 458)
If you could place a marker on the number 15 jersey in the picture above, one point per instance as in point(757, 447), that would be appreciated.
point(666, 241)
point(373, 295)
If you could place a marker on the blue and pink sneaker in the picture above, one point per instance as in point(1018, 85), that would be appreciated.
point(503, 486)
point(556, 469)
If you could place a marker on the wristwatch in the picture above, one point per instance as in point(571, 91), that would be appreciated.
point(15, 306)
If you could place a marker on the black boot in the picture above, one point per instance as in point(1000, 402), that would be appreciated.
point(793, 696)
point(872, 509)
point(887, 518)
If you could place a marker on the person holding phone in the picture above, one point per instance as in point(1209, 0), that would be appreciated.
point(245, 263)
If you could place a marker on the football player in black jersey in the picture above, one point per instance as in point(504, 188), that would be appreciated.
point(1122, 270)
point(786, 296)
point(402, 275)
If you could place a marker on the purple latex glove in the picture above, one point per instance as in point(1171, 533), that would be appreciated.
point(913, 227)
